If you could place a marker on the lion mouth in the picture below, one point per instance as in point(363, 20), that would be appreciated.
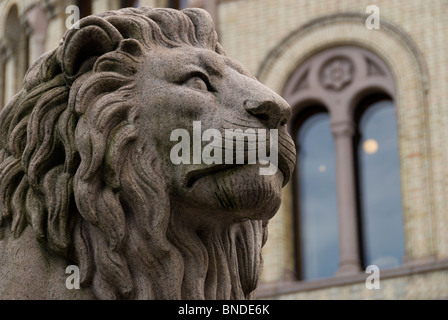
point(194, 176)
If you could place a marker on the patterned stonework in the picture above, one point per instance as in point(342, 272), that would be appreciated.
point(337, 73)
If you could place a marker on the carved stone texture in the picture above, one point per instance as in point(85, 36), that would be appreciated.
point(337, 73)
point(86, 177)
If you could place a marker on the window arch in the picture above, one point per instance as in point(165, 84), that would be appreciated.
point(343, 79)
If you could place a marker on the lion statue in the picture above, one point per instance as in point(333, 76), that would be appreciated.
point(85, 173)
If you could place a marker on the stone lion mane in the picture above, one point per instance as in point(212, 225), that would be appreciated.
point(65, 139)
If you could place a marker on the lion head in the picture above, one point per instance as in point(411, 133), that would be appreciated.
point(84, 159)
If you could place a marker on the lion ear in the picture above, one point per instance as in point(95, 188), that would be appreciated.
point(84, 43)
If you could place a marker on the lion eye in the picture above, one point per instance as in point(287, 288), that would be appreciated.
point(196, 83)
point(199, 82)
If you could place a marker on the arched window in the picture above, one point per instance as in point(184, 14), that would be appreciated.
point(3, 59)
point(37, 22)
point(319, 254)
point(379, 183)
point(14, 56)
point(350, 219)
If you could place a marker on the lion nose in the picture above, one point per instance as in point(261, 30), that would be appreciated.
point(272, 113)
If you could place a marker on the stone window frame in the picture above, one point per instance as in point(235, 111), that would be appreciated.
point(406, 63)
point(424, 236)
point(338, 78)
point(85, 8)
point(127, 3)
point(14, 48)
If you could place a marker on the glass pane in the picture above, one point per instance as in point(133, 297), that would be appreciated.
point(382, 220)
point(318, 202)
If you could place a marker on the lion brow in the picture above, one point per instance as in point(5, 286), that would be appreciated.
point(212, 64)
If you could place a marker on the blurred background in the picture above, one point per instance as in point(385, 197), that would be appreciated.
point(369, 91)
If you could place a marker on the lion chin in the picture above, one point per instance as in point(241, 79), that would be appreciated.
point(238, 193)
point(86, 178)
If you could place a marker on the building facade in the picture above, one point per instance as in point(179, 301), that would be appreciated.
point(361, 205)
